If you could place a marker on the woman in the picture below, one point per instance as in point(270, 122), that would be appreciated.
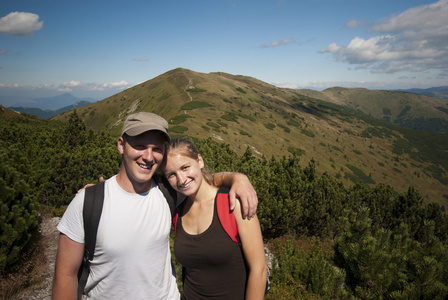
point(214, 265)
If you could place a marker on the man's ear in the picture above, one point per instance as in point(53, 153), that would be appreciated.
point(120, 145)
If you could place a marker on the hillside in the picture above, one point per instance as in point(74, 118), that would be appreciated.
point(332, 127)
point(405, 109)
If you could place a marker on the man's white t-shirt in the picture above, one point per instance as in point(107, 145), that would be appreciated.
point(132, 255)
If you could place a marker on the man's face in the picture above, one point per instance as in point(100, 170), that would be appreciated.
point(141, 156)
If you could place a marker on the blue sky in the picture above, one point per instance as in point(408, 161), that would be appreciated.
point(98, 48)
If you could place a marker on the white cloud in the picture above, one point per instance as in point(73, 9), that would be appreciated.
point(415, 40)
point(72, 83)
point(45, 86)
point(116, 85)
point(399, 83)
point(420, 18)
point(65, 89)
point(287, 85)
point(278, 43)
point(20, 23)
point(69, 86)
point(353, 24)
point(9, 85)
point(332, 48)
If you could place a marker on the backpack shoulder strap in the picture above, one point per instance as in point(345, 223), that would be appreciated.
point(93, 206)
point(226, 217)
point(175, 218)
point(169, 193)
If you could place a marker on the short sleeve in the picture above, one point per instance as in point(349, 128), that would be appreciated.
point(71, 223)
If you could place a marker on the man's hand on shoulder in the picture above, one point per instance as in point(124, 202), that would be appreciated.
point(243, 190)
point(101, 179)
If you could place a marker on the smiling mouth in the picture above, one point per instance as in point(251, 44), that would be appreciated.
point(184, 186)
point(146, 167)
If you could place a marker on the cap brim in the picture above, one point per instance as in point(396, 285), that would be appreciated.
point(144, 128)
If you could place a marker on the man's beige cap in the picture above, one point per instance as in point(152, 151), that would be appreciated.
point(141, 122)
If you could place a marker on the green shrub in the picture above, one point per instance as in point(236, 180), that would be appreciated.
point(244, 116)
point(296, 151)
point(179, 119)
point(359, 176)
point(230, 116)
point(336, 148)
point(307, 133)
point(285, 129)
point(222, 123)
point(196, 90)
point(18, 210)
point(213, 125)
point(293, 123)
point(194, 104)
point(242, 132)
point(178, 129)
point(304, 274)
point(269, 126)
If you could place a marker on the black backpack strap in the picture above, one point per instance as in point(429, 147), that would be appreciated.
point(169, 193)
point(93, 206)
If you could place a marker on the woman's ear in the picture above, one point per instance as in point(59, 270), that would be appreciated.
point(201, 161)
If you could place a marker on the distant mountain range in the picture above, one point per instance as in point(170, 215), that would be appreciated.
point(440, 92)
point(48, 107)
point(47, 114)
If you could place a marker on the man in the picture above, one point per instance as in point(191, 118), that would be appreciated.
point(132, 254)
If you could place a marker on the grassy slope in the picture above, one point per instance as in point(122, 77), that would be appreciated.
point(246, 112)
point(392, 106)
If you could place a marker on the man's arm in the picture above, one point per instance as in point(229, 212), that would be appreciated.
point(68, 261)
point(241, 188)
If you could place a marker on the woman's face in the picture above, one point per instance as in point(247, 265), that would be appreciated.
point(184, 173)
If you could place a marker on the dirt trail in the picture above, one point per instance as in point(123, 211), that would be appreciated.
point(50, 237)
point(189, 86)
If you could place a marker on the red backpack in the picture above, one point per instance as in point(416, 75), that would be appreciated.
point(225, 216)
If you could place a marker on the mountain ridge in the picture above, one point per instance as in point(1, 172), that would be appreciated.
point(244, 112)
point(440, 92)
point(402, 108)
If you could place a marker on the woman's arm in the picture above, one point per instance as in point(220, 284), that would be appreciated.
point(241, 188)
point(253, 249)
